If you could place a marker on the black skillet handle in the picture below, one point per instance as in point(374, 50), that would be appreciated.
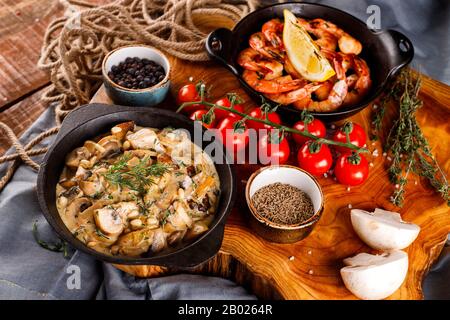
point(404, 48)
point(219, 49)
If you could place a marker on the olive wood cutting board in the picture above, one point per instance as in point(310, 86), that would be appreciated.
point(309, 269)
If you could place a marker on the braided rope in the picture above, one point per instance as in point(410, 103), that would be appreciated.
point(74, 47)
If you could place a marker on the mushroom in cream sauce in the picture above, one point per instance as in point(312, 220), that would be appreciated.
point(136, 190)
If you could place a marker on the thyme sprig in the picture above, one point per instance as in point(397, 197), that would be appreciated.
point(265, 108)
point(405, 141)
point(134, 177)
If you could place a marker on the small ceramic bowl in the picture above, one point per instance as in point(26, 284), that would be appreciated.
point(147, 97)
point(293, 176)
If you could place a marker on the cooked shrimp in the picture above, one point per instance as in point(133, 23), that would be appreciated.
point(324, 39)
point(292, 96)
point(347, 43)
point(324, 90)
point(257, 82)
point(251, 60)
point(289, 68)
point(275, 69)
point(248, 59)
point(362, 85)
point(258, 42)
point(335, 99)
point(273, 30)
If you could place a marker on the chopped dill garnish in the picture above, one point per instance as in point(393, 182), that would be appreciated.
point(135, 177)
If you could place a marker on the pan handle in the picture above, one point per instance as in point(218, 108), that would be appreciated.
point(218, 46)
point(404, 51)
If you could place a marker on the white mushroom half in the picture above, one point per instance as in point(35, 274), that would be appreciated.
point(375, 277)
point(383, 230)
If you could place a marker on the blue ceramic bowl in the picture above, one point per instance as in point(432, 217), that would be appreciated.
point(147, 97)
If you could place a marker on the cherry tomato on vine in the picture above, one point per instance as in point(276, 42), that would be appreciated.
point(258, 114)
point(221, 114)
point(189, 93)
point(198, 115)
point(237, 140)
point(357, 136)
point(351, 169)
point(316, 128)
point(273, 149)
point(315, 158)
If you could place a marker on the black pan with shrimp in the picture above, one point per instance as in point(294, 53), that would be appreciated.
point(268, 69)
point(364, 60)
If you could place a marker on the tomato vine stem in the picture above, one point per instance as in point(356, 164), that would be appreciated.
point(280, 127)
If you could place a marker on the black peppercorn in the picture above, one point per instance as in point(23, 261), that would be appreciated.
point(136, 73)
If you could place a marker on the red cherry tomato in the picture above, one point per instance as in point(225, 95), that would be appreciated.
point(357, 136)
point(237, 140)
point(198, 115)
point(315, 158)
point(257, 113)
point(351, 170)
point(272, 149)
point(316, 128)
point(189, 93)
point(221, 114)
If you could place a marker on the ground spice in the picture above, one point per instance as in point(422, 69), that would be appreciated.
point(283, 204)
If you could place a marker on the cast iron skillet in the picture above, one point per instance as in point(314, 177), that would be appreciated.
point(386, 52)
point(91, 120)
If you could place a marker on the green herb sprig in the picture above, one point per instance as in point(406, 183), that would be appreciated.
point(60, 246)
point(405, 142)
point(136, 177)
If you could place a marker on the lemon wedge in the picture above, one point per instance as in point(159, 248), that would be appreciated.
point(303, 53)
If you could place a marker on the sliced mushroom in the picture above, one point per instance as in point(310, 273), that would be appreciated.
point(176, 237)
point(108, 220)
point(168, 195)
point(93, 147)
point(67, 183)
point(374, 277)
point(71, 193)
point(159, 240)
point(127, 209)
point(73, 158)
point(120, 130)
point(180, 219)
point(135, 242)
point(197, 229)
point(91, 188)
point(82, 173)
point(141, 153)
point(77, 206)
point(145, 139)
point(111, 145)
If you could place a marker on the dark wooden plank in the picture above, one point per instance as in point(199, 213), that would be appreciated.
point(21, 116)
point(22, 28)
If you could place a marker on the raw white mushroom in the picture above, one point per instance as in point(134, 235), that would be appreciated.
point(375, 277)
point(383, 230)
